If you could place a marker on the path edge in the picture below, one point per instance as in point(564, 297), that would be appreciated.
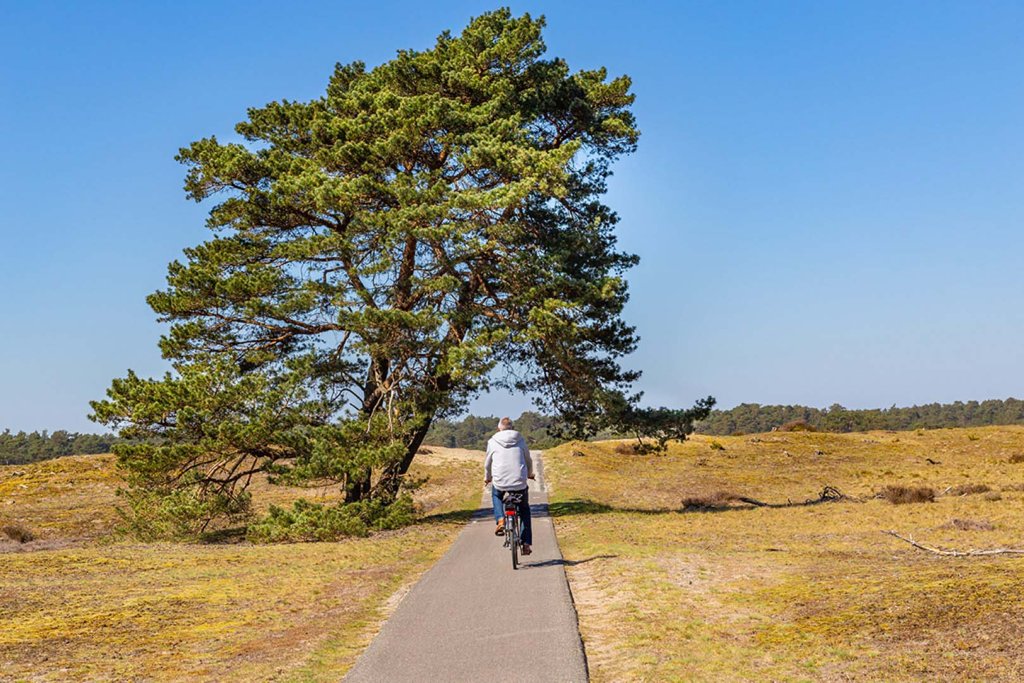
point(565, 574)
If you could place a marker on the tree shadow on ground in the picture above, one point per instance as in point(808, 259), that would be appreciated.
point(228, 536)
point(570, 508)
point(237, 534)
point(589, 507)
point(453, 517)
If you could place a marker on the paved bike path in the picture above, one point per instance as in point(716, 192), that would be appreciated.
point(472, 618)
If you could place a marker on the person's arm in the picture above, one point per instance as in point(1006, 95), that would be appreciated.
point(487, 467)
point(529, 460)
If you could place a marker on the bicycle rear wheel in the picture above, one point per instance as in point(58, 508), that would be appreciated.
point(515, 541)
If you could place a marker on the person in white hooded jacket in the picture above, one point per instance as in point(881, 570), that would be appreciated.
point(507, 468)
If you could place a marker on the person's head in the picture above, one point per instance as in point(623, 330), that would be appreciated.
point(504, 424)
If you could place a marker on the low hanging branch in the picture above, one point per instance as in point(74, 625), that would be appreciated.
point(956, 553)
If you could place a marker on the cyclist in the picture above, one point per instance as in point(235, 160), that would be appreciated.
point(509, 464)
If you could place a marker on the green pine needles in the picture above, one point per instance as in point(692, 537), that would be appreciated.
point(426, 230)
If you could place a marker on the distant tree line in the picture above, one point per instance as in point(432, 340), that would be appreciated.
point(23, 448)
point(474, 431)
point(749, 418)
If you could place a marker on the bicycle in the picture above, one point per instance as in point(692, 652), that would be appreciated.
point(512, 501)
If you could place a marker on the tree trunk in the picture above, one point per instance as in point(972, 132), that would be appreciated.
point(358, 489)
point(391, 478)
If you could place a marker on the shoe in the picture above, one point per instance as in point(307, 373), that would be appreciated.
point(500, 529)
point(526, 549)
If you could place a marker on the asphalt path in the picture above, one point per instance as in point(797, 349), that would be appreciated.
point(471, 617)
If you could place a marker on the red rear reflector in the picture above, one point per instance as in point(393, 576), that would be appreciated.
point(509, 513)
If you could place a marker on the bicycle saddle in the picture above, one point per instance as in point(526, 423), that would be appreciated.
point(512, 498)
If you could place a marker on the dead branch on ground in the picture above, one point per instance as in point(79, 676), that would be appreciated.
point(830, 494)
point(956, 553)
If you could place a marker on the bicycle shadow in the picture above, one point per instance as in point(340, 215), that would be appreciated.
point(562, 562)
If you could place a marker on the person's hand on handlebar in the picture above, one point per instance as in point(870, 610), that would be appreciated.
point(532, 476)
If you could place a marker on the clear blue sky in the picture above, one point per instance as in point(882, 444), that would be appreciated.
point(827, 198)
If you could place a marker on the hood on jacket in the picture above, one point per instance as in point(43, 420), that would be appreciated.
point(507, 438)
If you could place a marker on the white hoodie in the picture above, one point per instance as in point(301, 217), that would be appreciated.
point(508, 460)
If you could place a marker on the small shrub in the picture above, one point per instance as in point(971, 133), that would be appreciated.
point(307, 521)
point(423, 450)
point(970, 524)
point(969, 489)
point(626, 448)
point(715, 446)
point(1014, 487)
point(716, 500)
point(578, 454)
point(18, 532)
point(993, 496)
point(1016, 458)
point(900, 495)
point(973, 437)
point(178, 514)
point(800, 425)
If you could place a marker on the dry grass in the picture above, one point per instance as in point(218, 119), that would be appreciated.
point(969, 489)
point(796, 593)
point(970, 524)
point(71, 499)
point(76, 608)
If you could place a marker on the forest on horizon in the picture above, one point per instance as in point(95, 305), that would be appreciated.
point(473, 431)
point(27, 447)
point(751, 418)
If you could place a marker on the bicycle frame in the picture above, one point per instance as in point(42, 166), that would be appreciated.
point(512, 532)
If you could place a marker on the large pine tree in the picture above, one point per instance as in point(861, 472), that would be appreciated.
point(426, 229)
